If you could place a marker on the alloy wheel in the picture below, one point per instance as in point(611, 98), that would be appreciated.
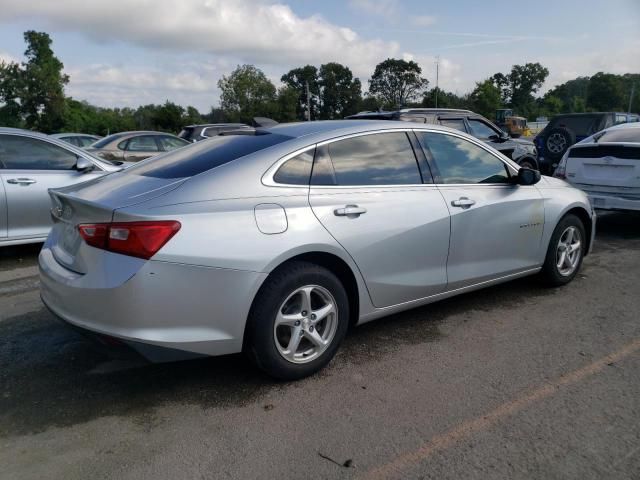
point(569, 251)
point(305, 324)
point(556, 143)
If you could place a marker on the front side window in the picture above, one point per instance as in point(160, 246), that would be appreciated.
point(455, 123)
point(23, 153)
point(296, 170)
point(460, 161)
point(480, 129)
point(144, 143)
point(378, 159)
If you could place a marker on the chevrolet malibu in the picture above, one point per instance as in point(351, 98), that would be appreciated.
point(276, 242)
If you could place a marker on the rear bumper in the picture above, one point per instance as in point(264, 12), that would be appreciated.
point(611, 202)
point(191, 309)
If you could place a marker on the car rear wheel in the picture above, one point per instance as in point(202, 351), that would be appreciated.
point(297, 321)
point(565, 252)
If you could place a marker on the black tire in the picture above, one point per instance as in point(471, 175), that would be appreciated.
point(551, 274)
point(557, 141)
point(261, 338)
point(528, 163)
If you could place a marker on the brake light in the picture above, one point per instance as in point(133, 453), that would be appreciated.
point(136, 239)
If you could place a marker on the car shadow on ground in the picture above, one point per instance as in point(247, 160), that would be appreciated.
point(52, 376)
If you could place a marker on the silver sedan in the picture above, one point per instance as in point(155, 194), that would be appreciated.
point(276, 242)
point(30, 164)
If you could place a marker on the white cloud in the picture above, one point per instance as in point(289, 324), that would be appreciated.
point(253, 30)
point(6, 58)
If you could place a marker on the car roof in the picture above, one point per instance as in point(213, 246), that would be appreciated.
point(71, 134)
point(22, 131)
point(341, 127)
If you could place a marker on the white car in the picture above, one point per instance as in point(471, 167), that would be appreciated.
point(606, 166)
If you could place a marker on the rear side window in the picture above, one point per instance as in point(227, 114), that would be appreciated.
point(378, 159)
point(296, 170)
point(460, 161)
point(23, 153)
point(144, 143)
point(202, 156)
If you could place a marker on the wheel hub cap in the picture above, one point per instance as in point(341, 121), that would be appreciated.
point(305, 324)
point(569, 251)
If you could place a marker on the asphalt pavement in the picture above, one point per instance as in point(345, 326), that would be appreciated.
point(515, 381)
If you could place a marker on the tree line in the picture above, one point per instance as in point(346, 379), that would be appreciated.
point(32, 95)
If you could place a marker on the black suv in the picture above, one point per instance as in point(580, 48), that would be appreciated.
point(566, 129)
point(195, 133)
point(521, 151)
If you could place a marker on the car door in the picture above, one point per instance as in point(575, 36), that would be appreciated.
point(141, 147)
point(483, 131)
point(496, 226)
point(368, 192)
point(30, 167)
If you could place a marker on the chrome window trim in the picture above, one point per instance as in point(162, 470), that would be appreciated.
point(267, 177)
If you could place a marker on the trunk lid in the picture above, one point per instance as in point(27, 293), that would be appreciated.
point(95, 202)
point(610, 167)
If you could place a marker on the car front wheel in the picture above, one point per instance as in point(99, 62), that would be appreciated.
point(297, 321)
point(565, 252)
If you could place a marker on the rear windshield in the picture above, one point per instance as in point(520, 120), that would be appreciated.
point(202, 156)
point(625, 135)
point(106, 140)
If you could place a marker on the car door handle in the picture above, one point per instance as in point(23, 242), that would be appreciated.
point(21, 181)
point(463, 202)
point(349, 210)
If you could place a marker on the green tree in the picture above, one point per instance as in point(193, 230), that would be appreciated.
point(340, 93)
point(605, 93)
point(397, 82)
point(297, 79)
point(10, 91)
point(287, 105)
point(486, 98)
point(445, 99)
point(519, 86)
point(247, 93)
point(42, 96)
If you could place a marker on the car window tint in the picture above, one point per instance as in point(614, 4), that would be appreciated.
point(296, 170)
point(171, 143)
point(456, 123)
point(460, 161)
point(143, 143)
point(379, 159)
point(103, 142)
point(323, 173)
point(202, 156)
point(25, 153)
point(480, 129)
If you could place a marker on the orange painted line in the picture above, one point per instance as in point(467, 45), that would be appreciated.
point(469, 427)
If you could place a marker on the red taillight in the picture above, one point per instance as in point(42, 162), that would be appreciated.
point(137, 239)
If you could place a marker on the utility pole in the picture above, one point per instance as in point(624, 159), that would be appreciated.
point(633, 89)
point(308, 102)
point(437, 77)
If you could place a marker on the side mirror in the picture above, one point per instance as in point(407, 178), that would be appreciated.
point(527, 176)
point(84, 165)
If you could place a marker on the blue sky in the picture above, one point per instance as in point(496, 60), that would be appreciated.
point(127, 53)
